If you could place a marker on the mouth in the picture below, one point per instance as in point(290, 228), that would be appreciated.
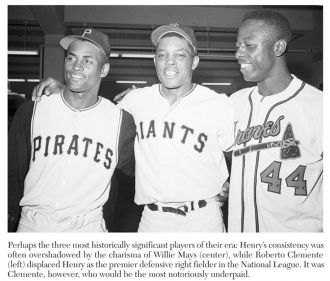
point(245, 66)
point(170, 74)
point(76, 77)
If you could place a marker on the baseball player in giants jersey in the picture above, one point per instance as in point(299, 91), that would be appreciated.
point(277, 161)
point(182, 131)
point(63, 150)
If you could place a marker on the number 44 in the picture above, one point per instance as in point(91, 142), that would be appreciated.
point(271, 176)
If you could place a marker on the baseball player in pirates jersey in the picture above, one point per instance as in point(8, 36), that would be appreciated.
point(63, 149)
point(182, 131)
point(277, 161)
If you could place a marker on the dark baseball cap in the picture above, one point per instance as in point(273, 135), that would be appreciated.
point(92, 35)
point(184, 31)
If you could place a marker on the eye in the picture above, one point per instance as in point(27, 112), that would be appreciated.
point(250, 44)
point(89, 61)
point(160, 55)
point(69, 58)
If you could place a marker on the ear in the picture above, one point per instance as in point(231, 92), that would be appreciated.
point(280, 47)
point(105, 70)
point(195, 62)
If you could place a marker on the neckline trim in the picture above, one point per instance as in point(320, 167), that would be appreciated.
point(83, 109)
point(186, 94)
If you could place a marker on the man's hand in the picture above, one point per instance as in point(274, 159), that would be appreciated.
point(121, 95)
point(47, 87)
point(224, 193)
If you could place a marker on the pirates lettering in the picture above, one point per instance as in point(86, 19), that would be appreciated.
point(75, 146)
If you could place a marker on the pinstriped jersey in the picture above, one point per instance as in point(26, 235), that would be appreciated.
point(73, 156)
point(277, 161)
point(179, 147)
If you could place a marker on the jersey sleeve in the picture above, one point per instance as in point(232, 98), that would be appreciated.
point(319, 126)
point(125, 103)
point(19, 151)
point(226, 134)
point(126, 159)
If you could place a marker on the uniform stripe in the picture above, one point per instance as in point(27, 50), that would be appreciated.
point(119, 131)
point(315, 184)
point(243, 168)
point(257, 157)
point(256, 213)
point(242, 195)
point(31, 129)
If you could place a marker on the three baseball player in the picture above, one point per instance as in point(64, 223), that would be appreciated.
point(277, 170)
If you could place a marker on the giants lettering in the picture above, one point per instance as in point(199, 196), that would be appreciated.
point(170, 131)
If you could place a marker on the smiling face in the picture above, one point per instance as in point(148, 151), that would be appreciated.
point(84, 67)
point(175, 62)
point(255, 51)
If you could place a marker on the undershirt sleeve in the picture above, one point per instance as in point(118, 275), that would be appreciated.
point(126, 159)
point(19, 151)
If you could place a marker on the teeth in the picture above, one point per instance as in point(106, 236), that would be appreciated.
point(77, 76)
point(244, 65)
point(170, 73)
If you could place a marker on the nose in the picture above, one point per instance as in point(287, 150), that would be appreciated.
point(170, 60)
point(239, 52)
point(78, 64)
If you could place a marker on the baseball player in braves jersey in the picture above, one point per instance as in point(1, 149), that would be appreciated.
point(63, 150)
point(182, 131)
point(277, 161)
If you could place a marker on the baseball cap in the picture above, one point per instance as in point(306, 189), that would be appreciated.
point(92, 35)
point(185, 31)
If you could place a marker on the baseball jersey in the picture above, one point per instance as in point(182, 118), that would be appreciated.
point(277, 161)
point(179, 147)
point(68, 155)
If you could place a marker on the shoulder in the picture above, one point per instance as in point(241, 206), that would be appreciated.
point(207, 93)
point(309, 95)
point(108, 106)
point(106, 102)
point(141, 92)
point(216, 104)
point(312, 92)
point(25, 108)
point(241, 94)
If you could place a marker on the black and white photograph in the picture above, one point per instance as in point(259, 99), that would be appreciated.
point(165, 141)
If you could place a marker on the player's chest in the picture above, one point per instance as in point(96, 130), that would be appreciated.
point(56, 120)
point(272, 125)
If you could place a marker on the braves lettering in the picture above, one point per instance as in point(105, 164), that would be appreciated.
point(265, 130)
point(170, 130)
point(60, 144)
